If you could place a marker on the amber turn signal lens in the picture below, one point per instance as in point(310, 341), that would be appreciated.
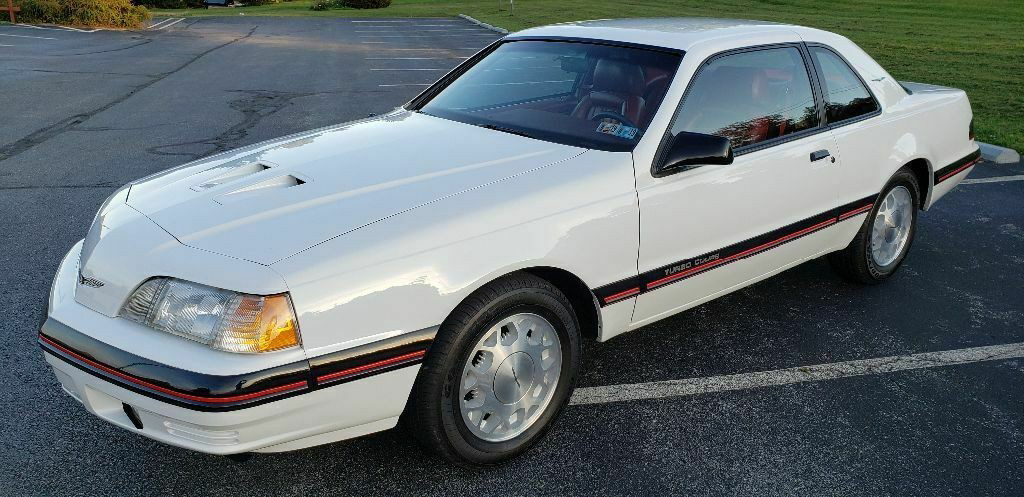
point(222, 319)
point(278, 323)
point(259, 324)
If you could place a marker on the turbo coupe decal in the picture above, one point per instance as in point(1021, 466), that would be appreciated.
point(678, 271)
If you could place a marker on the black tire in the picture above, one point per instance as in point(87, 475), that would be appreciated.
point(432, 413)
point(855, 261)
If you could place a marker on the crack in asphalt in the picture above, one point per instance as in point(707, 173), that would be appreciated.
point(256, 105)
point(108, 184)
point(80, 72)
point(129, 47)
point(132, 128)
point(44, 134)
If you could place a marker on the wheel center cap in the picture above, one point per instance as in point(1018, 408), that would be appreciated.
point(514, 377)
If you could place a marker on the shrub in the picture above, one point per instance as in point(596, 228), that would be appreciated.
point(259, 2)
point(365, 4)
point(110, 13)
point(170, 4)
point(322, 4)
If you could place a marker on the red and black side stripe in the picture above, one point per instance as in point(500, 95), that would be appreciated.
point(371, 359)
point(678, 271)
point(957, 167)
point(204, 392)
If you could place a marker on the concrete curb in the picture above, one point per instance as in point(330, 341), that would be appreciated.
point(484, 24)
point(999, 155)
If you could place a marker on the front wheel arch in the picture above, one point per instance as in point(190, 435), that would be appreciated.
point(426, 416)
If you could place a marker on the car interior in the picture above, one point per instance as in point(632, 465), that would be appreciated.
point(553, 92)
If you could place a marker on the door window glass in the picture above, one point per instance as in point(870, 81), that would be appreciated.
point(750, 97)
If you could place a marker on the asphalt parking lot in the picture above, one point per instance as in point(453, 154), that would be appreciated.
point(83, 112)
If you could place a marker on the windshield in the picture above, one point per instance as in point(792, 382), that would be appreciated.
point(581, 94)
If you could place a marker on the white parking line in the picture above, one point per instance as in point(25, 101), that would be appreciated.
point(26, 36)
point(492, 35)
point(820, 372)
point(159, 23)
point(6, 45)
point(79, 30)
point(413, 25)
point(424, 49)
point(56, 28)
point(997, 179)
point(418, 19)
point(415, 58)
point(414, 30)
point(171, 24)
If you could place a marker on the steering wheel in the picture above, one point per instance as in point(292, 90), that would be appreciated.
point(614, 115)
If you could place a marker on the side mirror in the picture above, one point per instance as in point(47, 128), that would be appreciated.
point(696, 149)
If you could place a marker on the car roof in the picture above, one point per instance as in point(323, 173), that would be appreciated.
point(670, 32)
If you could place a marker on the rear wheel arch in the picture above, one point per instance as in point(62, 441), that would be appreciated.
point(922, 170)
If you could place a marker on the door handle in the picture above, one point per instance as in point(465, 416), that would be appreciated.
point(820, 154)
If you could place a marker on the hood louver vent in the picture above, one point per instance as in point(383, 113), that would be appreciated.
point(256, 189)
point(232, 174)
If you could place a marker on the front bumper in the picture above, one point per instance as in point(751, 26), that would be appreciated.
point(283, 407)
point(318, 417)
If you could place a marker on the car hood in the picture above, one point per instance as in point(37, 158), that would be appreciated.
point(272, 200)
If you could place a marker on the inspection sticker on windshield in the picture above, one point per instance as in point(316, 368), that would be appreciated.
point(619, 130)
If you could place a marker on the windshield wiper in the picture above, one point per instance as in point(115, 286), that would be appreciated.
point(506, 130)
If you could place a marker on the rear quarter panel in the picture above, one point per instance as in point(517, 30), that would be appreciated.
point(932, 126)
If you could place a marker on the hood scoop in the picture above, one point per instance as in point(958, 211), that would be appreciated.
point(256, 189)
point(309, 188)
point(235, 170)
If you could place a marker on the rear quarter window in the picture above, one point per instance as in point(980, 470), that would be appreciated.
point(846, 97)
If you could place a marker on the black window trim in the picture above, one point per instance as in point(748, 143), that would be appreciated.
point(432, 90)
point(816, 91)
point(819, 74)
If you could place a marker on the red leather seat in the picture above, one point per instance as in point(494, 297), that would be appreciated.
point(617, 88)
point(654, 91)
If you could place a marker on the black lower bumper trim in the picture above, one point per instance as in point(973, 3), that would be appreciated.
point(206, 392)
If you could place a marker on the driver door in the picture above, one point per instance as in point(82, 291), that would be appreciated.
point(710, 229)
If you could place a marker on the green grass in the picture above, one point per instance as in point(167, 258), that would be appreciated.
point(976, 45)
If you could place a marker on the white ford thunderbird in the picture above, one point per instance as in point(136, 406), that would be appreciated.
point(440, 264)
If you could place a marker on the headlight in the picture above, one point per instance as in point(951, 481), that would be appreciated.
point(222, 319)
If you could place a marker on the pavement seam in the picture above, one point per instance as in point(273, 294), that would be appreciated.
point(44, 134)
